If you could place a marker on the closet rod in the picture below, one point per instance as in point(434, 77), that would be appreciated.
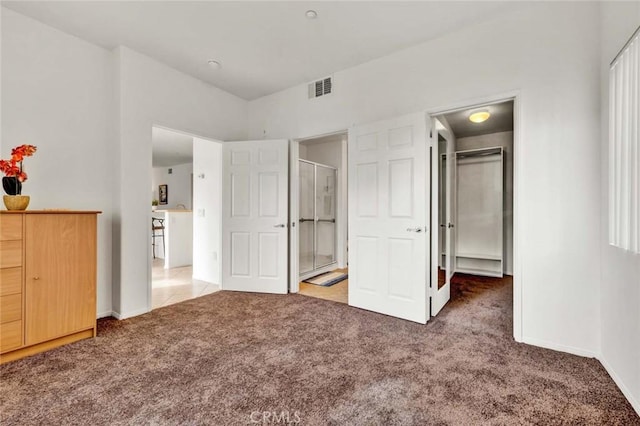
point(478, 154)
point(633, 36)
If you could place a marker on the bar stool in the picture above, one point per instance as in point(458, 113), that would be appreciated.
point(157, 225)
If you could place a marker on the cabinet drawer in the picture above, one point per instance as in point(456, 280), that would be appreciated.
point(10, 281)
point(10, 254)
point(10, 335)
point(10, 308)
point(10, 227)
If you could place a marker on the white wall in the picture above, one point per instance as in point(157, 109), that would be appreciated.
point(57, 95)
point(328, 153)
point(620, 286)
point(207, 210)
point(150, 93)
point(179, 185)
point(505, 140)
point(551, 64)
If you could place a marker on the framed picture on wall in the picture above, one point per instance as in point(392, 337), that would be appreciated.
point(163, 191)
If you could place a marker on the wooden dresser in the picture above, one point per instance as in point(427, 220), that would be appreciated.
point(47, 280)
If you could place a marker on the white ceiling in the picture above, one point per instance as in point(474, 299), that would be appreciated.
point(171, 148)
point(501, 120)
point(264, 47)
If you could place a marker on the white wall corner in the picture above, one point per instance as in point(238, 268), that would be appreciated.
point(130, 314)
point(559, 347)
point(618, 381)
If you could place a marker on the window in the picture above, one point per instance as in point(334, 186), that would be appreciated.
point(624, 147)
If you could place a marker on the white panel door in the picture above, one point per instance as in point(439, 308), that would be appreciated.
point(388, 239)
point(254, 216)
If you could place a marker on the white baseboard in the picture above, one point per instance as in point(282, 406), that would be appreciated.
point(558, 347)
point(623, 388)
point(126, 315)
point(104, 314)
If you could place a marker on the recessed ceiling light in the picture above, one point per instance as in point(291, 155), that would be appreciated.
point(311, 14)
point(214, 64)
point(479, 116)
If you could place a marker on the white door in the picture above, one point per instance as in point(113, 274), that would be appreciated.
point(388, 238)
point(254, 216)
point(441, 292)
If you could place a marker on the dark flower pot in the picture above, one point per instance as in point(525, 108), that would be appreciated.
point(11, 185)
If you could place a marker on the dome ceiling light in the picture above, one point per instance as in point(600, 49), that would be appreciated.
point(479, 116)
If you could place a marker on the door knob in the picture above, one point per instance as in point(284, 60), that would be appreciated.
point(280, 225)
point(450, 225)
point(36, 278)
point(414, 229)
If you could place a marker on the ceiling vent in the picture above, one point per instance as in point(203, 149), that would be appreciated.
point(320, 88)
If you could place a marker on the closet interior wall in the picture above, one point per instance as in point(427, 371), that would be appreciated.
point(479, 211)
point(505, 141)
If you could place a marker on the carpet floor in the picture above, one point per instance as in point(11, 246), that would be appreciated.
point(236, 358)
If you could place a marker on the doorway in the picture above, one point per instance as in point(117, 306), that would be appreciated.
point(472, 200)
point(319, 212)
point(176, 246)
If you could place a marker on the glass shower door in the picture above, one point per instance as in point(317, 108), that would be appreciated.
point(307, 217)
point(325, 188)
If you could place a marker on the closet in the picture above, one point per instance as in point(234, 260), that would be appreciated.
point(479, 182)
point(317, 222)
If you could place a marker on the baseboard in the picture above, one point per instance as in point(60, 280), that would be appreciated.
point(558, 347)
point(126, 315)
point(104, 314)
point(618, 381)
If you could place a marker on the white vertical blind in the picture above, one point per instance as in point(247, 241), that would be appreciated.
point(624, 148)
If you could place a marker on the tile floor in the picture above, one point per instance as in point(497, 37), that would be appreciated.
point(175, 285)
point(337, 292)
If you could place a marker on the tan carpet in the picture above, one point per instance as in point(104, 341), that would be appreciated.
point(219, 358)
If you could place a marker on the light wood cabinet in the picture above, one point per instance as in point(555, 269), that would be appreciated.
point(47, 280)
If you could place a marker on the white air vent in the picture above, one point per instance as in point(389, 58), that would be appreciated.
point(320, 88)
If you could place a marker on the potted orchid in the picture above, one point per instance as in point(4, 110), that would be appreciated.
point(14, 176)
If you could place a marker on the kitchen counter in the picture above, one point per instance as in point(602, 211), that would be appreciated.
point(178, 235)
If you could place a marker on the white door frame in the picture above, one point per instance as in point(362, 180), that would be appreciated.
point(294, 201)
point(294, 214)
point(440, 296)
point(518, 161)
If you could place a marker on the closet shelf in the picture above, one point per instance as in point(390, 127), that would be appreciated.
point(478, 271)
point(479, 256)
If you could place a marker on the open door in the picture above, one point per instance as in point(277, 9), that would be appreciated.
point(388, 238)
point(443, 207)
point(254, 216)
